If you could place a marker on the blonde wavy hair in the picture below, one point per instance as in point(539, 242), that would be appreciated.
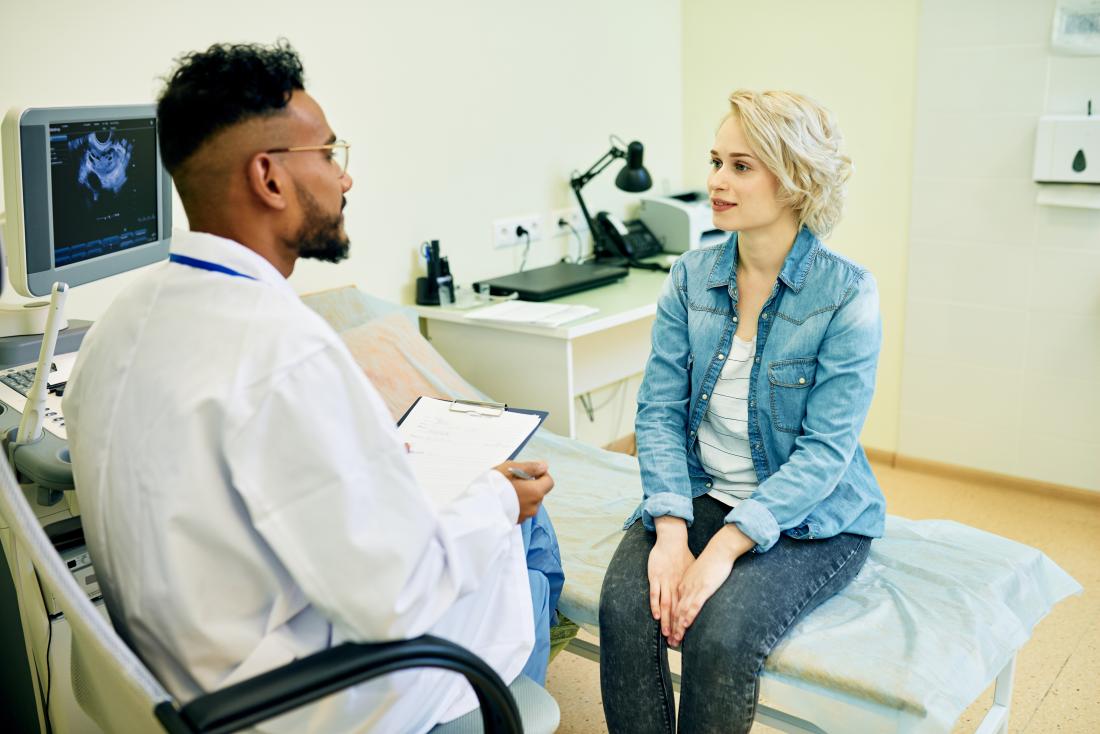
point(799, 142)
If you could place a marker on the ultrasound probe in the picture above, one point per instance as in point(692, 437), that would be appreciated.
point(34, 412)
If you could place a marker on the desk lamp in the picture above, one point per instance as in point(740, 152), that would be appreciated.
point(633, 178)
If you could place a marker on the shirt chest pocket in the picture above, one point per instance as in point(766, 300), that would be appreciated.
point(790, 382)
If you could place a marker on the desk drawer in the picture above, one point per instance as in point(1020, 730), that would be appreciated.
point(609, 356)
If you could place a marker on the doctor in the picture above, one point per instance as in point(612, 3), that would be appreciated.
point(245, 495)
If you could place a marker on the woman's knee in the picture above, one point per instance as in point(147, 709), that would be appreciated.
point(616, 612)
point(737, 642)
point(623, 600)
point(624, 596)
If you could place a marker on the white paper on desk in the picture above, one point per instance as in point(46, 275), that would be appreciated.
point(536, 314)
point(449, 449)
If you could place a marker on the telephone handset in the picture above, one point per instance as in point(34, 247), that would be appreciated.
point(630, 241)
point(613, 223)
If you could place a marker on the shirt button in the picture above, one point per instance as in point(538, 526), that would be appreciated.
point(758, 360)
point(709, 485)
point(704, 396)
point(752, 403)
point(721, 357)
point(693, 433)
point(801, 380)
point(735, 319)
point(764, 316)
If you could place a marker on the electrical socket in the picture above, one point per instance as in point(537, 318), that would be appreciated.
point(572, 215)
point(504, 230)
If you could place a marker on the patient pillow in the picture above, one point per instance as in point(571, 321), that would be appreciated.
point(401, 363)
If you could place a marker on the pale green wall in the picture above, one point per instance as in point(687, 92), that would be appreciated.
point(461, 113)
point(857, 57)
point(458, 113)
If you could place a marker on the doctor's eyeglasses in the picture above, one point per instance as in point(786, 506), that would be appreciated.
point(337, 152)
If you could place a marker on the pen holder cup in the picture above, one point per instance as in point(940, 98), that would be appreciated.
point(427, 292)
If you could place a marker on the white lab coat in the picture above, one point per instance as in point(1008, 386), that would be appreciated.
point(247, 500)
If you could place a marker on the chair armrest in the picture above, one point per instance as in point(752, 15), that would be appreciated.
point(328, 671)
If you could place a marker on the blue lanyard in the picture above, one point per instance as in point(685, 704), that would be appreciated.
point(194, 262)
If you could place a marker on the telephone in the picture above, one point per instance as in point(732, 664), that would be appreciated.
point(630, 241)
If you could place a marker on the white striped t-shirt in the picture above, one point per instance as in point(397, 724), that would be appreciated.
point(724, 431)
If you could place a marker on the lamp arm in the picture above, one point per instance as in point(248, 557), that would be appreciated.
point(578, 182)
point(584, 211)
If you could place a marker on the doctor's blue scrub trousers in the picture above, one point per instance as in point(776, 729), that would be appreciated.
point(723, 652)
point(545, 574)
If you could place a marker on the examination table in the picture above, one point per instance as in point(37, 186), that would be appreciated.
point(938, 612)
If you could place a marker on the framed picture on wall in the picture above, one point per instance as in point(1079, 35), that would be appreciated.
point(1076, 27)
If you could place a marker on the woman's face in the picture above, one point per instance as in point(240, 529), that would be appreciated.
point(742, 191)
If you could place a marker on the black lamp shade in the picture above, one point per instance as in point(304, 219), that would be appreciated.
point(634, 180)
point(634, 177)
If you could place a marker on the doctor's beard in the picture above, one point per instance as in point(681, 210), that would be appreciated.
point(321, 236)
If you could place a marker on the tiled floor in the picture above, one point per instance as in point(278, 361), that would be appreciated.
point(1058, 671)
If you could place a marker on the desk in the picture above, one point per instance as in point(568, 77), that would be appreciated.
point(547, 368)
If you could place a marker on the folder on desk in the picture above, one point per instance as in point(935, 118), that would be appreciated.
point(452, 442)
point(532, 314)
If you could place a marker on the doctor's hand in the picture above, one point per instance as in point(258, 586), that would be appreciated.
point(531, 481)
point(668, 560)
point(704, 577)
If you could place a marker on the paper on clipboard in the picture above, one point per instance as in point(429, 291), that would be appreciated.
point(449, 448)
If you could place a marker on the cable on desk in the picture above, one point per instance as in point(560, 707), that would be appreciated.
point(49, 642)
point(563, 222)
point(521, 231)
point(586, 403)
point(590, 409)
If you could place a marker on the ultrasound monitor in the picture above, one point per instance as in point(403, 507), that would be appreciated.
point(85, 192)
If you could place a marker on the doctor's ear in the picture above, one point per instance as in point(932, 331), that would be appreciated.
point(268, 180)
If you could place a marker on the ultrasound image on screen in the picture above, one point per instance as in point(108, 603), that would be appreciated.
point(104, 185)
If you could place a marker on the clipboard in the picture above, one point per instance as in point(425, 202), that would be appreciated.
point(453, 442)
point(485, 409)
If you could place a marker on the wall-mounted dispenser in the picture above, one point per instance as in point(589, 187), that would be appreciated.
point(1067, 160)
point(1067, 149)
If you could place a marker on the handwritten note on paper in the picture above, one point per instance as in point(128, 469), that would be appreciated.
point(449, 449)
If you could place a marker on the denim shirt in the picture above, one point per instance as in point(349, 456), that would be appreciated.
point(813, 375)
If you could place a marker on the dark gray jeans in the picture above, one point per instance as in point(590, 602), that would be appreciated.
point(723, 652)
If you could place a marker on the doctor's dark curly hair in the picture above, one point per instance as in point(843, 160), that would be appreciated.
point(221, 86)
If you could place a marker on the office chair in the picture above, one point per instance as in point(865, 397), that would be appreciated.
point(119, 693)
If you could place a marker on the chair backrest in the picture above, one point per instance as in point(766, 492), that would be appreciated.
point(109, 681)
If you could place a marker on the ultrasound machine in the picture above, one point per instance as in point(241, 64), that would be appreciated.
point(85, 197)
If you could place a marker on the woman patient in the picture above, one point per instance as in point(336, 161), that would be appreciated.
point(759, 503)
